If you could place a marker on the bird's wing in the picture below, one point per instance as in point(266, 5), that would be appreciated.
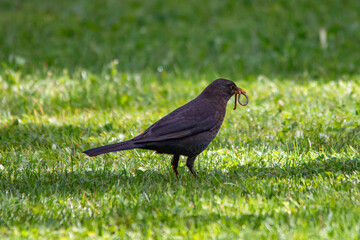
point(181, 123)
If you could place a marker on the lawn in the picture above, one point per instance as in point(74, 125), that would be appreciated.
point(80, 74)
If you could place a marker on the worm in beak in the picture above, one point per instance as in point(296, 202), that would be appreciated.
point(238, 94)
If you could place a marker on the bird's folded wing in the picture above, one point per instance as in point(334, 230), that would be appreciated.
point(177, 126)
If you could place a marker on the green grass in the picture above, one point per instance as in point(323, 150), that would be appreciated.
point(76, 75)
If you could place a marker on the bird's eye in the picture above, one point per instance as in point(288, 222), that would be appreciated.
point(232, 87)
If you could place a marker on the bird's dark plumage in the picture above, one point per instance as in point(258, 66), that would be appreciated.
point(186, 131)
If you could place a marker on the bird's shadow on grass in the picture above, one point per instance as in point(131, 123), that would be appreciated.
point(102, 180)
point(75, 183)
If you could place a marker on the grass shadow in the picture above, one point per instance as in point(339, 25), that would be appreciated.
point(77, 183)
point(308, 170)
point(100, 175)
point(42, 136)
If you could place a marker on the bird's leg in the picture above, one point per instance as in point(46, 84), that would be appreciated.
point(190, 164)
point(175, 164)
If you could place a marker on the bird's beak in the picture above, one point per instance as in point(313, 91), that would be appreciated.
point(240, 91)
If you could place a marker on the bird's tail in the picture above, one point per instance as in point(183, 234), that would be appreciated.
point(110, 148)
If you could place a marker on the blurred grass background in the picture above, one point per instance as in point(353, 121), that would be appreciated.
point(235, 38)
point(79, 74)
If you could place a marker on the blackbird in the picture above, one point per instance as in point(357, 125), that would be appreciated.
point(187, 130)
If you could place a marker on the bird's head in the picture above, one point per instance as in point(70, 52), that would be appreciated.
point(223, 89)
